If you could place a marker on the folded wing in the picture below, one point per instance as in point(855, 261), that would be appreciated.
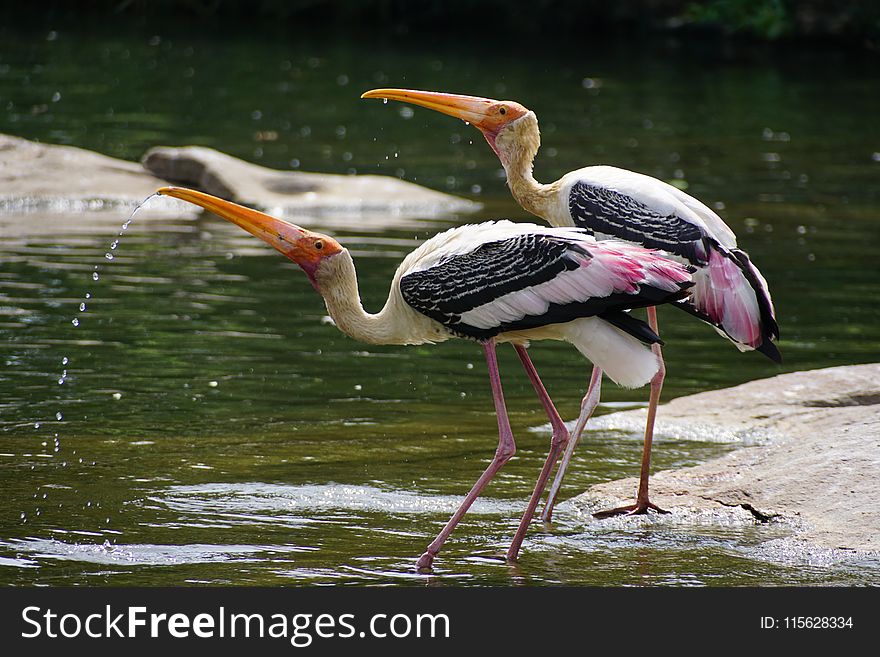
point(542, 276)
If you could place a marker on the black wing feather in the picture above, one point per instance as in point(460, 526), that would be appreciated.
point(466, 281)
point(463, 282)
point(602, 210)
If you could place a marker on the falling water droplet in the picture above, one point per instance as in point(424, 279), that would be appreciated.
point(114, 244)
point(95, 276)
point(59, 415)
point(36, 425)
point(88, 295)
point(65, 360)
point(108, 255)
point(75, 321)
point(82, 306)
point(384, 101)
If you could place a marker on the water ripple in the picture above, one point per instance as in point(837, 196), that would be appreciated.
point(141, 554)
point(254, 499)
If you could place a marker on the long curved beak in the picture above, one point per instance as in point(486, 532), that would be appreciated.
point(471, 109)
point(283, 236)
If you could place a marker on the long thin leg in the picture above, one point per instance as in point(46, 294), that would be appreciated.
point(643, 503)
point(588, 405)
point(557, 443)
point(506, 449)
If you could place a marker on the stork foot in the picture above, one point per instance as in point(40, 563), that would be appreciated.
point(423, 565)
point(637, 509)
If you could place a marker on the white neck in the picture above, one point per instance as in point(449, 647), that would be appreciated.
point(527, 191)
point(517, 146)
point(336, 280)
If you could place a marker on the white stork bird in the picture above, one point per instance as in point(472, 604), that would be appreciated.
point(492, 282)
point(729, 292)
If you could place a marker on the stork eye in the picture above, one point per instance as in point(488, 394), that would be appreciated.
point(503, 110)
point(319, 245)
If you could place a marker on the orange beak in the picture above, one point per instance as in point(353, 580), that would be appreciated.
point(471, 109)
point(488, 115)
point(304, 247)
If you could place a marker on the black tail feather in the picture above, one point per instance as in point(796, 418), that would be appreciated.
point(770, 350)
point(634, 327)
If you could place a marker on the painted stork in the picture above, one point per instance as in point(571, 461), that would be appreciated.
point(492, 282)
point(729, 292)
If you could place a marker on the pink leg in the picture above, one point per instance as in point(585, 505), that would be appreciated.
point(588, 405)
point(557, 442)
point(643, 503)
point(506, 449)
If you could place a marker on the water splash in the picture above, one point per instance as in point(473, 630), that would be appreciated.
point(114, 245)
point(56, 443)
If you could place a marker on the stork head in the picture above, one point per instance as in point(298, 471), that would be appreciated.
point(506, 125)
point(307, 249)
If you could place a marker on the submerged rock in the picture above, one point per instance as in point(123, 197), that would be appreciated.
point(811, 460)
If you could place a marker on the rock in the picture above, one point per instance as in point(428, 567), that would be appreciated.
point(36, 176)
point(293, 192)
point(811, 460)
point(39, 180)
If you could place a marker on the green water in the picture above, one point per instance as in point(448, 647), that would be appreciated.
point(215, 429)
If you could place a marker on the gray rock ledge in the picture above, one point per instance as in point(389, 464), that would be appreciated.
point(811, 460)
